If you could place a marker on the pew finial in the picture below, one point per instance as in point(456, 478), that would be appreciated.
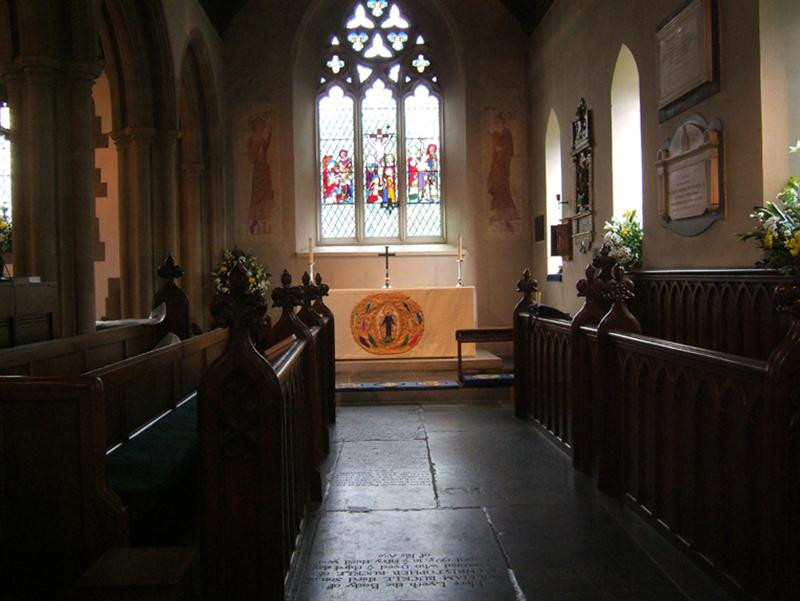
point(243, 309)
point(593, 287)
point(287, 296)
point(169, 269)
point(618, 291)
point(526, 286)
point(324, 289)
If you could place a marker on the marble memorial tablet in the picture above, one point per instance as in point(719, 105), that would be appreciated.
point(690, 176)
point(685, 52)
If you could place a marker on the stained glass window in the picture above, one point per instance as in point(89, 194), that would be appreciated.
point(5, 159)
point(379, 131)
point(336, 150)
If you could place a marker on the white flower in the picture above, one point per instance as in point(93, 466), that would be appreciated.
point(795, 148)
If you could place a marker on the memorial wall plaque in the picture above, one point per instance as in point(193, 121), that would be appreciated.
point(690, 177)
point(583, 160)
point(687, 57)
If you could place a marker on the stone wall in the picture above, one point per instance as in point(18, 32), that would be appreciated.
point(573, 53)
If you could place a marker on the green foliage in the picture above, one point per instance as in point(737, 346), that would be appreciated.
point(778, 230)
point(259, 277)
point(624, 239)
point(5, 232)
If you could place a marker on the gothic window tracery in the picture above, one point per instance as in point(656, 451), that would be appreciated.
point(379, 131)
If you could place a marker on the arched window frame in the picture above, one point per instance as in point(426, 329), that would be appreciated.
point(353, 87)
point(554, 175)
point(5, 143)
point(626, 136)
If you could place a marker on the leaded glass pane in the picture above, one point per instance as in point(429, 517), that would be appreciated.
point(5, 160)
point(423, 159)
point(360, 19)
point(336, 150)
point(379, 140)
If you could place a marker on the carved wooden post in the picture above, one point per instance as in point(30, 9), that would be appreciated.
point(780, 484)
point(330, 344)
point(177, 319)
point(240, 426)
point(522, 357)
point(309, 415)
point(311, 318)
point(583, 392)
point(609, 411)
point(311, 294)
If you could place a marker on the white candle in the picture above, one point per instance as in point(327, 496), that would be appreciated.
point(460, 248)
point(310, 251)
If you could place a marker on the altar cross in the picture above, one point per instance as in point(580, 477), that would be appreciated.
point(386, 254)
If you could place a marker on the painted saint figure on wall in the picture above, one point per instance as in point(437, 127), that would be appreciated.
point(262, 195)
point(503, 209)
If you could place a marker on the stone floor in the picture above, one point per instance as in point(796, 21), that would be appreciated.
point(466, 503)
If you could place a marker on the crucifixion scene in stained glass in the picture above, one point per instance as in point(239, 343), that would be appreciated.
point(379, 131)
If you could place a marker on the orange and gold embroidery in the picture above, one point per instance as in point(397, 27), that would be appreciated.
point(387, 323)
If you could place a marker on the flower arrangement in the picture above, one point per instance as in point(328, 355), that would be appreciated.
point(778, 229)
point(624, 239)
point(5, 231)
point(259, 277)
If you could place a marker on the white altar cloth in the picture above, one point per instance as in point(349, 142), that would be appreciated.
point(401, 323)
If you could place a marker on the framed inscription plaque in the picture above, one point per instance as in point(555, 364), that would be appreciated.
point(688, 61)
point(690, 183)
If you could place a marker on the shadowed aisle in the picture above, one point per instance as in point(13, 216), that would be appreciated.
point(463, 503)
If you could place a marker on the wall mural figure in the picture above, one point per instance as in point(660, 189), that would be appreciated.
point(503, 216)
point(262, 196)
point(256, 169)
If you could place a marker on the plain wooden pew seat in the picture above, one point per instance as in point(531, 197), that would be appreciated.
point(155, 475)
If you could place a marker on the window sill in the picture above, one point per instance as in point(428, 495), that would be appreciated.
point(401, 250)
point(554, 277)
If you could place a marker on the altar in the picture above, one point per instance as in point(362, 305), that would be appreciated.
point(401, 323)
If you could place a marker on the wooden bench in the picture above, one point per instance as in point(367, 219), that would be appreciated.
point(703, 443)
point(64, 498)
point(75, 355)
point(262, 438)
point(72, 444)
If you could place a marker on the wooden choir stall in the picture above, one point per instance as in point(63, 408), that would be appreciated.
point(681, 399)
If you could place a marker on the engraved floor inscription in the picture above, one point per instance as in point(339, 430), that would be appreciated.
point(382, 475)
point(428, 555)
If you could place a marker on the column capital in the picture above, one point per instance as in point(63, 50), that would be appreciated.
point(193, 169)
point(127, 135)
point(87, 71)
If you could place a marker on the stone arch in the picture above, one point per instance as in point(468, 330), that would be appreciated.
point(139, 66)
point(201, 215)
point(626, 135)
point(9, 34)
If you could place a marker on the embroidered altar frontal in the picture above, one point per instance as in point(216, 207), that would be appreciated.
point(401, 323)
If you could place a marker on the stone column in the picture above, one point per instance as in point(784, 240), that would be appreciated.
point(137, 264)
point(193, 180)
point(36, 135)
point(165, 183)
point(76, 202)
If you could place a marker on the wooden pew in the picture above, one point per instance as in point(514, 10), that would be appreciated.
point(727, 310)
point(67, 441)
point(701, 442)
point(75, 355)
point(329, 344)
point(257, 439)
point(287, 297)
